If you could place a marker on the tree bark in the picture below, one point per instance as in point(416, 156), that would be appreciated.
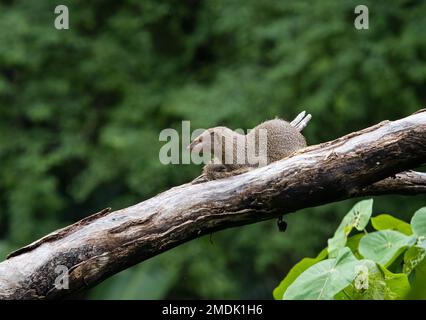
point(405, 183)
point(368, 162)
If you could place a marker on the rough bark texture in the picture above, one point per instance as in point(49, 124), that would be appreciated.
point(359, 164)
point(406, 183)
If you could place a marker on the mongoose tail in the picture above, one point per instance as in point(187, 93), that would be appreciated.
point(298, 118)
point(301, 121)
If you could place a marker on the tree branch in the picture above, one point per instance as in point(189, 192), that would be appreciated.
point(405, 183)
point(366, 162)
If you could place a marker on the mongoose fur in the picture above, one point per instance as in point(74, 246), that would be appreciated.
point(282, 139)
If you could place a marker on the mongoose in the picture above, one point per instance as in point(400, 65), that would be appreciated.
point(229, 147)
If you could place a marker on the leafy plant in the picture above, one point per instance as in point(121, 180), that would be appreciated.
point(384, 264)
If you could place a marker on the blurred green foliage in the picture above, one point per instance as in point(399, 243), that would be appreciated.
point(81, 111)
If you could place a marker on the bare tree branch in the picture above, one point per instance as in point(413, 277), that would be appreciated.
point(366, 162)
point(405, 183)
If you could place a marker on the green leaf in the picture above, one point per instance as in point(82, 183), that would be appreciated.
point(367, 285)
point(353, 244)
point(324, 279)
point(421, 243)
point(384, 246)
point(419, 281)
point(358, 218)
point(301, 266)
point(336, 243)
point(418, 222)
point(412, 257)
point(361, 213)
point(386, 221)
point(397, 284)
point(374, 282)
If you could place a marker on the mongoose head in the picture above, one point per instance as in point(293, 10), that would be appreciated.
point(210, 140)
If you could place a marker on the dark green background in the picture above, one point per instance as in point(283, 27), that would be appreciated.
point(81, 111)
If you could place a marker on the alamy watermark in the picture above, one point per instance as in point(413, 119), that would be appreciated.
point(62, 280)
point(62, 20)
point(361, 20)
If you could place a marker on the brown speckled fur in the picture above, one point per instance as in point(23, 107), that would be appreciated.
point(283, 139)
